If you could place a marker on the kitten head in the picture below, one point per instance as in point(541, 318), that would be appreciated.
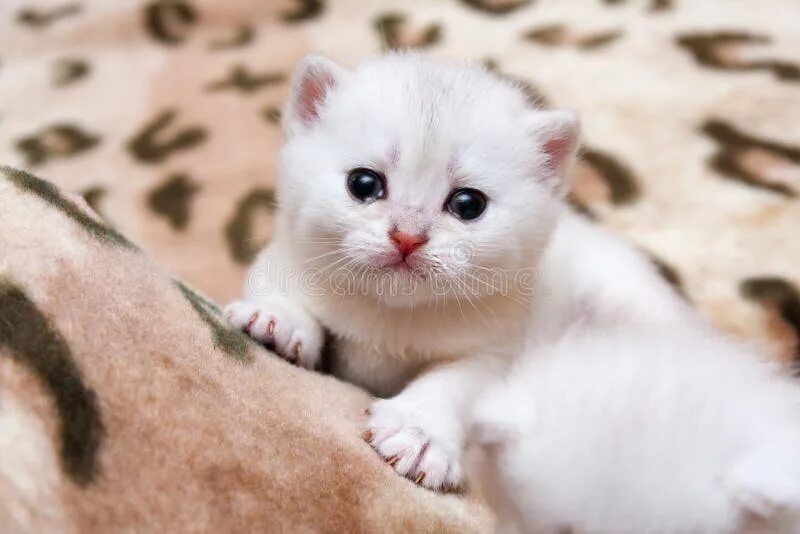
point(412, 179)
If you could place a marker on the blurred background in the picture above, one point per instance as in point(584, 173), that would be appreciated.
point(164, 115)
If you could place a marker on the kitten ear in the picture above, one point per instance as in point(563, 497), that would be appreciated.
point(313, 80)
point(556, 133)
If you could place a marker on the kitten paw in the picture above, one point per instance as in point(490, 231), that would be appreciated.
point(281, 326)
point(429, 458)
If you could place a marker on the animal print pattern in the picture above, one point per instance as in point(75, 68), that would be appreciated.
point(165, 115)
point(148, 413)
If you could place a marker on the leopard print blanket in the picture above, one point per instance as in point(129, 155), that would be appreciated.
point(145, 413)
point(163, 115)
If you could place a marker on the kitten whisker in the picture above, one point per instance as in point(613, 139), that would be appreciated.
point(324, 255)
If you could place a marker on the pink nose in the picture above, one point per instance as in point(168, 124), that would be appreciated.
point(407, 243)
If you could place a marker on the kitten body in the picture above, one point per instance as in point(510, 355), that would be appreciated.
point(425, 330)
point(659, 430)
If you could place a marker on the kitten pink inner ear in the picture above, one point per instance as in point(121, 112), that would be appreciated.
point(310, 95)
point(314, 79)
point(558, 132)
point(558, 150)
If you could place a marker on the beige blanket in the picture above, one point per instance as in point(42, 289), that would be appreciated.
point(127, 405)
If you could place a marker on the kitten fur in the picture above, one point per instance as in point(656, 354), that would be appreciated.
point(657, 431)
point(427, 331)
point(429, 127)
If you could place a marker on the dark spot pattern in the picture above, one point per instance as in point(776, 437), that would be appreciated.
point(172, 200)
point(496, 7)
point(238, 231)
point(272, 114)
point(41, 18)
point(56, 141)
point(169, 22)
point(243, 81)
point(93, 196)
point(716, 51)
point(305, 10)
point(148, 148)
point(534, 97)
point(733, 145)
point(783, 296)
point(577, 205)
point(559, 35)
point(32, 342)
point(617, 176)
point(232, 342)
point(243, 37)
point(68, 71)
point(655, 5)
point(670, 274)
point(46, 191)
point(395, 33)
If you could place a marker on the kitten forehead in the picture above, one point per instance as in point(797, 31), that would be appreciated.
point(439, 81)
point(432, 103)
point(394, 155)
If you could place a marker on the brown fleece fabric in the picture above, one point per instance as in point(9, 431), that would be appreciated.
point(127, 405)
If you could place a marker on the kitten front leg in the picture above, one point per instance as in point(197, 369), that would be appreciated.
point(274, 318)
point(421, 431)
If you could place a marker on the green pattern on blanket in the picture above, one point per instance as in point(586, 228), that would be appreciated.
point(36, 345)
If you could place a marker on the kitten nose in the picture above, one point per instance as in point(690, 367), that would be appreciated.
point(407, 243)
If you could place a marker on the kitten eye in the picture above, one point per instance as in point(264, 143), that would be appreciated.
point(366, 185)
point(466, 204)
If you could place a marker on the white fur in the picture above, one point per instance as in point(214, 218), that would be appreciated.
point(659, 430)
point(429, 127)
point(626, 415)
point(432, 127)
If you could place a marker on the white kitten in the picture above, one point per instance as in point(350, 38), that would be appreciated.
point(421, 222)
point(417, 201)
point(663, 430)
point(415, 198)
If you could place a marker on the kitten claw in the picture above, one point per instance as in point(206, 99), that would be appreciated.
point(282, 327)
point(250, 321)
point(427, 452)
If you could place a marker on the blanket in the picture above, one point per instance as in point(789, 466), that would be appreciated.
point(127, 405)
point(163, 116)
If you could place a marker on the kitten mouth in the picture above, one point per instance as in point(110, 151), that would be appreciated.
point(399, 265)
point(406, 267)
